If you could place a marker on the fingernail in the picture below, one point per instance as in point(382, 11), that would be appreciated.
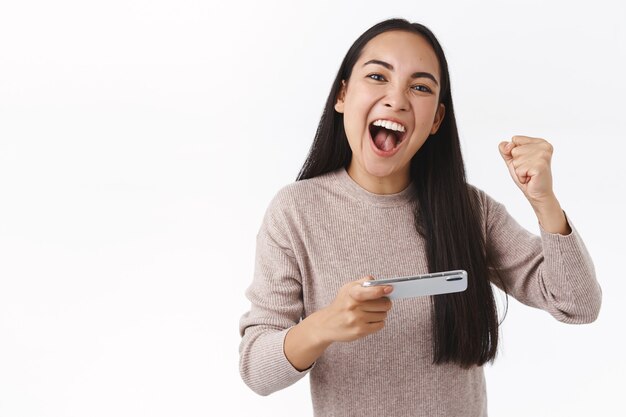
point(388, 289)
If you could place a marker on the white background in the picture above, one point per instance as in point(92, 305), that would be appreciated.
point(141, 141)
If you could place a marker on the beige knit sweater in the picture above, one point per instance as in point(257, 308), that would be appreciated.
point(320, 233)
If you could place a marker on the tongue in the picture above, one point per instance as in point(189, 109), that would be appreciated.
point(385, 140)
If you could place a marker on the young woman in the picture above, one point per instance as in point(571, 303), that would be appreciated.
point(383, 193)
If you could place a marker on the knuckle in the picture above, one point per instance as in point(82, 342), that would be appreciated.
point(353, 295)
point(543, 145)
point(346, 293)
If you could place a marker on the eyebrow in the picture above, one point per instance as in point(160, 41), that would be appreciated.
point(419, 74)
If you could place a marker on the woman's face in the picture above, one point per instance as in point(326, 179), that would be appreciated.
point(396, 80)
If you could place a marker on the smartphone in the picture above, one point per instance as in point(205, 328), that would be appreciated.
point(425, 284)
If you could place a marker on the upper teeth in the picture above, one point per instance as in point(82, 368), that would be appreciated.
point(389, 125)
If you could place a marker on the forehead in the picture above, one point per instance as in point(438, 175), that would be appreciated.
point(406, 51)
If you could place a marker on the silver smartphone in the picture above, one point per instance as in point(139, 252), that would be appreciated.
point(425, 284)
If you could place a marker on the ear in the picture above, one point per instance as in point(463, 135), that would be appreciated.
point(340, 97)
point(441, 111)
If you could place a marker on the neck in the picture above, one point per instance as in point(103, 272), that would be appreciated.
point(389, 184)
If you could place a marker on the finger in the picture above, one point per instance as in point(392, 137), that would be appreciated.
point(530, 151)
point(503, 148)
point(511, 167)
point(506, 150)
point(525, 140)
point(376, 326)
point(522, 173)
point(375, 317)
point(360, 293)
point(522, 155)
point(381, 304)
point(359, 282)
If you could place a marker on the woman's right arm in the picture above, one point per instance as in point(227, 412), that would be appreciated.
point(356, 312)
point(276, 306)
point(277, 347)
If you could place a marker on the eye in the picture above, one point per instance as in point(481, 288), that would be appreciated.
point(427, 90)
point(376, 75)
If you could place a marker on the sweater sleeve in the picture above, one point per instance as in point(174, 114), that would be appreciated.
point(276, 306)
point(552, 272)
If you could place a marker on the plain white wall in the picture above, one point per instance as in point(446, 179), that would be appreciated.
point(141, 141)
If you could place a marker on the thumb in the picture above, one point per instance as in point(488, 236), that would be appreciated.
point(505, 149)
point(360, 293)
point(505, 152)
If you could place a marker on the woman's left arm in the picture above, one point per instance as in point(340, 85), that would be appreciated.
point(554, 273)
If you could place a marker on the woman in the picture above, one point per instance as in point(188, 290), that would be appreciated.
point(383, 193)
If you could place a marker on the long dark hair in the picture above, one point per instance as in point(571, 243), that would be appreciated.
point(448, 215)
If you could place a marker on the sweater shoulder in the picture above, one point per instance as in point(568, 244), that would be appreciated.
point(303, 194)
point(297, 201)
point(485, 200)
point(489, 209)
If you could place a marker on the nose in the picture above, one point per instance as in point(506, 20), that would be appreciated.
point(396, 98)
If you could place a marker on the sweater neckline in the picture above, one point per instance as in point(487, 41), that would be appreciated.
point(356, 191)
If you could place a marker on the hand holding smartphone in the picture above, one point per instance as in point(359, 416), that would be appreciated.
point(424, 284)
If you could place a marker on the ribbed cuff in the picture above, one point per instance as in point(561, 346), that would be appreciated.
point(273, 371)
point(567, 257)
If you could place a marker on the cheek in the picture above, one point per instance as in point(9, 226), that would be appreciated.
point(424, 116)
point(355, 118)
point(421, 125)
point(354, 132)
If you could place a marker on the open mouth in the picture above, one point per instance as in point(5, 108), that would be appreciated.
point(386, 137)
